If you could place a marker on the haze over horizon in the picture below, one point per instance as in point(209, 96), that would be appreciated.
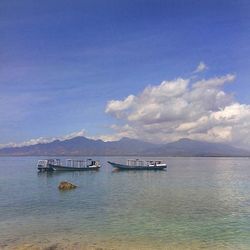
point(157, 71)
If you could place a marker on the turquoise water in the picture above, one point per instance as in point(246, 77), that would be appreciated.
point(198, 203)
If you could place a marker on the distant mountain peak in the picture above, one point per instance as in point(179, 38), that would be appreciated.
point(83, 146)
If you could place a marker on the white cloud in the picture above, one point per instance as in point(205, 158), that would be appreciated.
point(45, 139)
point(116, 107)
point(201, 67)
point(180, 108)
point(214, 82)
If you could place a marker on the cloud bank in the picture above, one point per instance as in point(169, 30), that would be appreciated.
point(45, 139)
point(180, 108)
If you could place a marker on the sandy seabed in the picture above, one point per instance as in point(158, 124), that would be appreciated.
point(111, 245)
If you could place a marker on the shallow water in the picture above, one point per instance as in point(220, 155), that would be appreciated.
point(198, 203)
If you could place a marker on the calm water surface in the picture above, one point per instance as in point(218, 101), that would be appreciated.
point(198, 203)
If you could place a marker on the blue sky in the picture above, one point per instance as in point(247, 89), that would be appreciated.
point(62, 61)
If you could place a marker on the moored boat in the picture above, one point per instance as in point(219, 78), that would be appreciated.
point(70, 165)
point(139, 165)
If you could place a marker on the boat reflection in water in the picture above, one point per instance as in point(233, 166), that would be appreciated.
point(139, 165)
point(49, 165)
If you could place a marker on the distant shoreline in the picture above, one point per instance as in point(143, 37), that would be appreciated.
point(133, 156)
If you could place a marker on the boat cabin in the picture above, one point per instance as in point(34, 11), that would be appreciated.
point(56, 164)
point(154, 163)
point(46, 163)
point(81, 163)
point(135, 162)
point(75, 163)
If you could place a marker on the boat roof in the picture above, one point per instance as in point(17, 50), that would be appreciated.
point(143, 160)
point(49, 159)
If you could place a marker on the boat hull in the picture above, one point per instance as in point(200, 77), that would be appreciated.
point(127, 167)
point(44, 169)
point(52, 167)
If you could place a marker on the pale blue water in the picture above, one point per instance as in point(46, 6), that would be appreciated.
point(197, 202)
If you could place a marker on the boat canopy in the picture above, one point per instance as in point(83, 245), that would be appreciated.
point(154, 162)
point(80, 163)
point(137, 162)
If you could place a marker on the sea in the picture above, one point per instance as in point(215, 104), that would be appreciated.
point(197, 203)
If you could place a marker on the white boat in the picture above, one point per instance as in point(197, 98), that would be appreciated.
point(70, 165)
point(139, 165)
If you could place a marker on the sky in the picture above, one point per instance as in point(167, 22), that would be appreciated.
point(147, 69)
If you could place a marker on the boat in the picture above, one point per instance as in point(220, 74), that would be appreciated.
point(139, 165)
point(49, 165)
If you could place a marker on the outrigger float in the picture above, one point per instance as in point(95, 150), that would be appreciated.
point(139, 165)
point(48, 165)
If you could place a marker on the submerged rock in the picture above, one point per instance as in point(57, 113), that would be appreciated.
point(64, 185)
point(52, 247)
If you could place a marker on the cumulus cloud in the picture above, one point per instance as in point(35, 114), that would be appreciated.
point(181, 108)
point(214, 82)
point(45, 139)
point(201, 67)
point(116, 107)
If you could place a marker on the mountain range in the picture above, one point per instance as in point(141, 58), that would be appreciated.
point(82, 146)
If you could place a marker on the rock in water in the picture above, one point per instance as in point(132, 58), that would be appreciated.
point(64, 185)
